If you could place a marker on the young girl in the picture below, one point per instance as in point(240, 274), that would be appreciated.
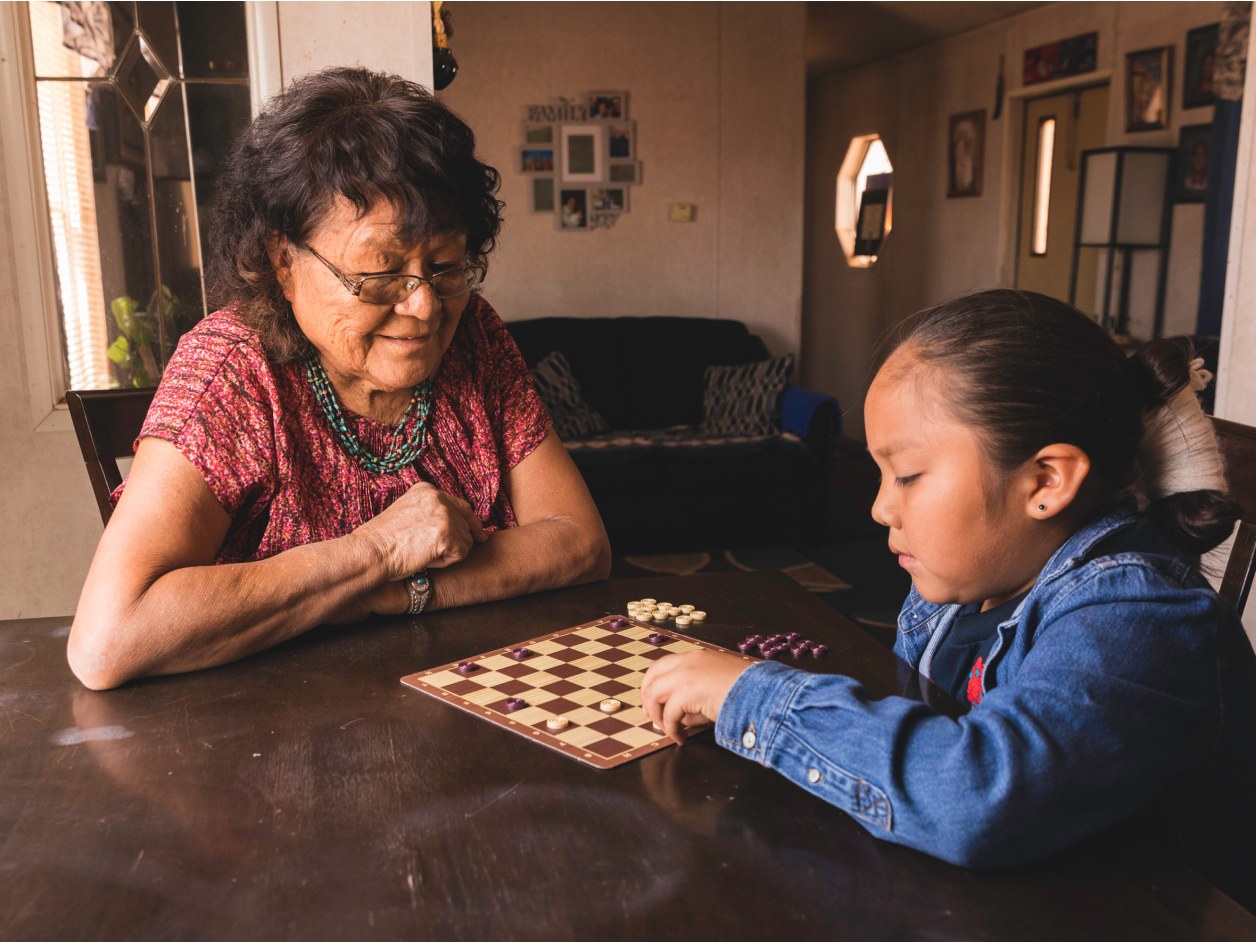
point(1016, 444)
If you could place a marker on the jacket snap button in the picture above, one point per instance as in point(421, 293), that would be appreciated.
point(748, 739)
point(813, 775)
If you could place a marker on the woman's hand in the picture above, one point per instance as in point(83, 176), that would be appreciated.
point(686, 689)
point(424, 528)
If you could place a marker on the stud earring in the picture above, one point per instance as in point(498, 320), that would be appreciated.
point(1042, 506)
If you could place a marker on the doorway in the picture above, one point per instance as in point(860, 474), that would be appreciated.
point(1057, 130)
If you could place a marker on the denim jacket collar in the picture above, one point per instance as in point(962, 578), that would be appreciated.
point(919, 621)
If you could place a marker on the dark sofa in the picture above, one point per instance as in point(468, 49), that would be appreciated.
point(660, 486)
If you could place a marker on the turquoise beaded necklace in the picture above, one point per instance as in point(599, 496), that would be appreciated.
point(403, 452)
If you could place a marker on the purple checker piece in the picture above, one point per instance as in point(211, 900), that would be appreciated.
point(618, 623)
point(520, 653)
point(466, 667)
point(746, 647)
point(799, 650)
point(792, 637)
point(514, 703)
point(657, 639)
point(817, 650)
point(771, 651)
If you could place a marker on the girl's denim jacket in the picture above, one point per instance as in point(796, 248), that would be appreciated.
point(1121, 678)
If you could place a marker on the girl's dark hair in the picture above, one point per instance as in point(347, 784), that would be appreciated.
point(365, 136)
point(1030, 371)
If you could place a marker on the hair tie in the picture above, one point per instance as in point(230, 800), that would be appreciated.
point(1179, 452)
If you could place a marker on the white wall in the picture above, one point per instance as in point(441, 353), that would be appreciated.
point(49, 524)
point(1236, 380)
point(943, 247)
point(717, 91)
point(388, 37)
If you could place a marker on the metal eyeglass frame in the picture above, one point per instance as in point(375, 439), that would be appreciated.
point(355, 287)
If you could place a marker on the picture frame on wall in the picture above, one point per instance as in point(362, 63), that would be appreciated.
point(1193, 158)
point(624, 171)
point(534, 133)
point(1064, 57)
point(537, 158)
point(966, 148)
point(1197, 72)
point(573, 209)
point(621, 139)
point(608, 105)
point(1148, 87)
point(609, 199)
point(583, 152)
point(542, 195)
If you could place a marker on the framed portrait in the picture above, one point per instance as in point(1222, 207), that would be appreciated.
point(1194, 151)
point(573, 210)
point(541, 196)
point(583, 153)
point(1148, 84)
point(622, 139)
point(966, 148)
point(536, 158)
point(625, 171)
point(609, 199)
point(1201, 57)
point(538, 133)
point(603, 105)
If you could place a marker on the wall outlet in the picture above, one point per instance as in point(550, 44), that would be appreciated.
point(682, 212)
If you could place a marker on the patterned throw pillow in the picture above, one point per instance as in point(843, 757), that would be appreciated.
point(745, 400)
point(560, 391)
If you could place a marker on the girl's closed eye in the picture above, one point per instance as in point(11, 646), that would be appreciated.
point(907, 481)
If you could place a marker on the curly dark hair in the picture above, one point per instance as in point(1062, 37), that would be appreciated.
point(361, 135)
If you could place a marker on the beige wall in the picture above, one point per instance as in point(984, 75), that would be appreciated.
point(1236, 380)
point(49, 524)
point(389, 37)
point(717, 91)
point(945, 247)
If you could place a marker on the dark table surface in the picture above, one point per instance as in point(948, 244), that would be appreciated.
point(306, 794)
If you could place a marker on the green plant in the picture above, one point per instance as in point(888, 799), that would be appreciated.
point(133, 349)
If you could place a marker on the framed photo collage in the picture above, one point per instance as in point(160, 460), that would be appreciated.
point(580, 159)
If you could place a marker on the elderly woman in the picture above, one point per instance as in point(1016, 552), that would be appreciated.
point(354, 431)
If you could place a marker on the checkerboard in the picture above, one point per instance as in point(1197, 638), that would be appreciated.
point(569, 673)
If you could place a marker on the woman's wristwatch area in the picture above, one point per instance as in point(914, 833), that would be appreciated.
point(420, 588)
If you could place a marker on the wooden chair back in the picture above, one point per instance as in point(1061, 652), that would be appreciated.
point(107, 422)
point(1238, 451)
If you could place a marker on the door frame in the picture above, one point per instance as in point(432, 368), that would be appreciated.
point(1013, 162)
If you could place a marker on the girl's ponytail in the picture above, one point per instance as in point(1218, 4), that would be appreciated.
point(1181, 474)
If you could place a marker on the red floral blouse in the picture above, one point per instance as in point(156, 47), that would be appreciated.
point(255, 432)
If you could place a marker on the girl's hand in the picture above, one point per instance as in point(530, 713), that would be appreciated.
point(687, 689)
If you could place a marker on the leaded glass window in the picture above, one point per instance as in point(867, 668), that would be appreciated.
point(138, 104)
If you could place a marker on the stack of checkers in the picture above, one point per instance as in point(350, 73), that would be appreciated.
point(775, 645)
point(653, 610)
point(577, 691)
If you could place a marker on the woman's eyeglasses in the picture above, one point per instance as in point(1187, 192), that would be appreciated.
point(394, 289)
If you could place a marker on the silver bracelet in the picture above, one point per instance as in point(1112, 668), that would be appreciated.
point(420, 588)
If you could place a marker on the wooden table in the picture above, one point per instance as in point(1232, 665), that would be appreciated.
point(306, 794)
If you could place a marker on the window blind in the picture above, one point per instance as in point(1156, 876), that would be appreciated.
point(67, 159)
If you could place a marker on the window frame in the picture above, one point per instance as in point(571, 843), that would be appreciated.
point(846, 214)
point(30, 226)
